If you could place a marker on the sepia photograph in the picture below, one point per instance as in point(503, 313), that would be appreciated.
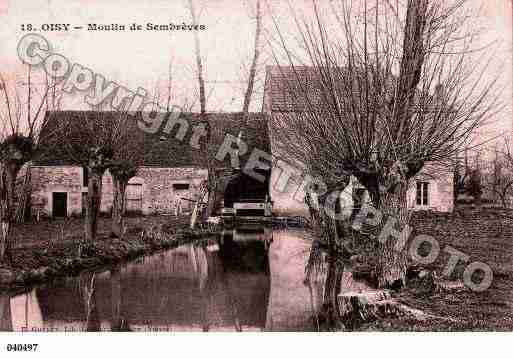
point(296, 166)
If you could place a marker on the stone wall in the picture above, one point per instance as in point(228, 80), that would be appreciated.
point(288, 197)
point(158, 194)
point(46, 180)
point(441, 189)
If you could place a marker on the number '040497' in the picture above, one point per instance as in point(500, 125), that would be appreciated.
point(22, 347)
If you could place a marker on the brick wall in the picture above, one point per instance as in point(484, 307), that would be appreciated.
point(158, 194)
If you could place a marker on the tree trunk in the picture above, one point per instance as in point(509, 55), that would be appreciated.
point(212, 193)
point(327, 230)
point(204, 145)
point(5, 229)
point(391, 260)
point(199, 63)
point(332, 289)
point(22, 211)
point(118, 207)
point(8, 175)
point(94, 198)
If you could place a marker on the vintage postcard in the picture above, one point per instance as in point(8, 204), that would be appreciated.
point(254, 166)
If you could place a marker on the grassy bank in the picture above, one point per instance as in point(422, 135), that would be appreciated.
point(485, 235)
point(49, 249)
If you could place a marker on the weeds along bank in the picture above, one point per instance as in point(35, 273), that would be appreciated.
point(40, 263)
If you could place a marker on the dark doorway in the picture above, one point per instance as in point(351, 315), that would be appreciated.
point(59, 204)
point(247, 189)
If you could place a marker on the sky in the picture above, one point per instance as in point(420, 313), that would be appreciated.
point(141, 59)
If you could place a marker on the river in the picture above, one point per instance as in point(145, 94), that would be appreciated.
point(250, 278)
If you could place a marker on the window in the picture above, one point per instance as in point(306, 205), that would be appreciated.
point(180, 186)
point(85, 177)
point(422, 193)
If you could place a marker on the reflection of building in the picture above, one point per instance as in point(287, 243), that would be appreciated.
point(246, 279)
point(223, 285)
point(291, 303)
point(172, 171)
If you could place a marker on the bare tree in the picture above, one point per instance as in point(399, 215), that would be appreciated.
point(206, 144)
point(474, 183)
point(254, 63)
point(397, 89)
point(89, 139)
point(211, 184)
point(99, 141)
point(199, 61)
point(127, 158)
point(21, 117)
point(499, 179)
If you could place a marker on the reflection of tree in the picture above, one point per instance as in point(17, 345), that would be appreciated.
point(314, 281)
point(324, 279)
point(88, 294)
point(5, 313)
point(332, 289)
point(119, 321)
point(200, 263)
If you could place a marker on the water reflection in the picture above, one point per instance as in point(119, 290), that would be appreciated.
point(5, 313)
point(119, 321)
point(324, 275)
point(241, 280)
point(20, 312)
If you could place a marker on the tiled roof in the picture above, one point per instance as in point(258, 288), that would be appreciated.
point(285, 87)
point(159, 149)
point(299, 88)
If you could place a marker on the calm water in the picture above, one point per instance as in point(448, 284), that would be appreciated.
point(248, 279)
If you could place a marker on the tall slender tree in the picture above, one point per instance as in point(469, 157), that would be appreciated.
point(205, 142)
point(254, 62)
